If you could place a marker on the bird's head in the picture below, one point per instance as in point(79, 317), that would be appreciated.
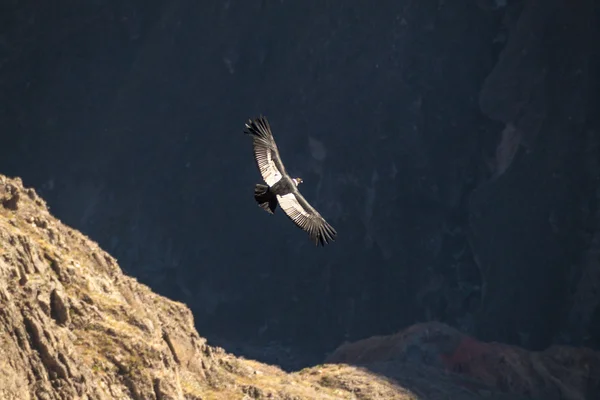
point(298, 181)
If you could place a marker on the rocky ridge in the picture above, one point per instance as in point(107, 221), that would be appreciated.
point(558, 372)
point(73, 326)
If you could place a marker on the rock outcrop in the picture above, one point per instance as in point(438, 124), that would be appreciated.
point(73, 326)
point(559, 372)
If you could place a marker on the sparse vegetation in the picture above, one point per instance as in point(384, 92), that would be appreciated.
point(74, 325)
point(116, 330)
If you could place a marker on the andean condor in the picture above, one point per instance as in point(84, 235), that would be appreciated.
point(282, 189)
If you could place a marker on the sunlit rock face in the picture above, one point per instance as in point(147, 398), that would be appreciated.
point(73, 325)
point(452, 146)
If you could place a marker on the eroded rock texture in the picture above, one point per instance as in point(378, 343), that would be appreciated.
point(559, 372)
point(73, 326)
point(533, 226)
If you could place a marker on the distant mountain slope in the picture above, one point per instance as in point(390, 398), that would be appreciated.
point(559, 372)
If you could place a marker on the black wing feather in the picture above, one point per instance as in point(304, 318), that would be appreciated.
point(266, 153)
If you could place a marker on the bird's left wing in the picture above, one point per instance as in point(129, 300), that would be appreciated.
point(266, 153)
point(307, 218)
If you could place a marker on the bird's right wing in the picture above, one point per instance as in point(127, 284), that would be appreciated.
point(295, 206)
point(266, 153)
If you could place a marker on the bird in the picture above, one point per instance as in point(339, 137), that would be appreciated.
point(280, 188)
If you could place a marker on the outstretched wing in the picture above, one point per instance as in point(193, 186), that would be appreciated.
point(307, 218)
point(266, 153)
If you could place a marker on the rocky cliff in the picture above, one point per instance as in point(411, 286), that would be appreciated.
point(73, 326)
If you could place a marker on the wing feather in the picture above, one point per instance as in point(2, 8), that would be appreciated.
point(266, 153)
point(295, 206)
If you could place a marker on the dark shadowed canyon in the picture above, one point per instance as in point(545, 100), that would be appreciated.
point(453, 145)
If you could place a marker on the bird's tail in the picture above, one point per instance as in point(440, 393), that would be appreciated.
point(265, 198)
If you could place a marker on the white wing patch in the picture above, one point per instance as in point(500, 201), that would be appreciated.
point(310, 220)
point(290, 205)
point(267, 167)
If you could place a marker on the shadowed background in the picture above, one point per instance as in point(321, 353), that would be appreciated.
point(453, 145)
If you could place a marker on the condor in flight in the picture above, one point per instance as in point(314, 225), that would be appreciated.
point(282, 189)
